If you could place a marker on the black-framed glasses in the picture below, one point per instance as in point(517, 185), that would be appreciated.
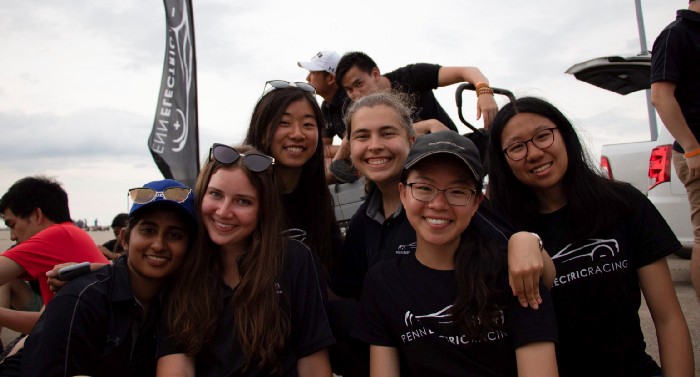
point(143, 195)
point(283, 84)
point(456, 196)
point(542, 139)
point(227, 155)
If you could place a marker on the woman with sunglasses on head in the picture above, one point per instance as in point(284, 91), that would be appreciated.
point(104, 322)
point(605, 237)
point(446, 309)
point(286, 124)
point(250, 301)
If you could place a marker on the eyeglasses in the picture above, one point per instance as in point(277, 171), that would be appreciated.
point(282, 84)
point(456, 196)
point(542, 140)
point(226, 155)
point(143, 195)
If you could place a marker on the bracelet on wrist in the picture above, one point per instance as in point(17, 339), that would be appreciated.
point(692, 153)
point(484, 90)
point(539, 240)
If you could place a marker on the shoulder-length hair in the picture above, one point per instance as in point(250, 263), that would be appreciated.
point(323, 233)
point(595, 203)
point(195, 302)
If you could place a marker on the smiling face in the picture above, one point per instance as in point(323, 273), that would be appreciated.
point(438, 223)
point(157, 244)
point(542, 170)
point(379, 144)
point(296, 137)
point(230, 208)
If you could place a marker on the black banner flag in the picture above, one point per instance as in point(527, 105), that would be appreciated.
point(174, 140)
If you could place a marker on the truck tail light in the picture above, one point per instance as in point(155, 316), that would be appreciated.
point(659, 166)
point(605, 165)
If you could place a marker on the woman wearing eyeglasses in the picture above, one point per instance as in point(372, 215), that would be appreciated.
point(286, 124)
point(446, 309)
point(249, 302)
point(104, 323)
point(605, 238)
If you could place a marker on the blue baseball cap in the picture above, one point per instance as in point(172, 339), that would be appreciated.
point(167, 191)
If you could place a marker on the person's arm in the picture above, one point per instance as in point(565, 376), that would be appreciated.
point(329, 150)
point(675, 349)
point(424, 127)
point(664, 100)
point(526, 265)
point(537, 360)
point(315, 365)
point(17, 320)
point(68, 340)
point(485, 103)
point(55, 284)
point(9, 270)
point(384, 361)
point(343, 150)
point(175, 365)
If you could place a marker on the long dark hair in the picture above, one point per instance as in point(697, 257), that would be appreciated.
point(318, 219)
point(594, 202)
point(195, 304)
point(478, 268)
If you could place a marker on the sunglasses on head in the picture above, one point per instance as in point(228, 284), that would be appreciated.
point(226, 155)
point(282, 84)
point(143, 195)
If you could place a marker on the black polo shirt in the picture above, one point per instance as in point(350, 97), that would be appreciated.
point(676, 58)
point(419, 80)
point(333, 114)
point(94, 326)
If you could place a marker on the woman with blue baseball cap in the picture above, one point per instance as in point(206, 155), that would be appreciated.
point(104, 322)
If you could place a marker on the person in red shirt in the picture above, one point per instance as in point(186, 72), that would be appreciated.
point(35, 209)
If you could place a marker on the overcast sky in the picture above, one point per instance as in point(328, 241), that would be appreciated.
point(79, 79)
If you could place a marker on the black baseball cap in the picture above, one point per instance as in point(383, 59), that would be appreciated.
point(446, 142)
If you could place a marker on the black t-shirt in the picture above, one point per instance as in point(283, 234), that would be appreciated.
point(371, 237)
point(419, 80)
point(109, 245)
point(94, 326)
point(676, 58)
point(303, 299)
point(333, 113)
point(596, 292)
point(407, 305)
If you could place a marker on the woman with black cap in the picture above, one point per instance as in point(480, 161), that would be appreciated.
point(446, 309)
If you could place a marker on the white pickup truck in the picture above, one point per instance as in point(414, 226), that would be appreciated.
point(646, 165)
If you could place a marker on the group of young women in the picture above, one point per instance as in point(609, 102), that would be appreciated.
point(244, 266)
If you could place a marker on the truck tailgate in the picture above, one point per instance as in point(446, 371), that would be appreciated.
point(629, 162)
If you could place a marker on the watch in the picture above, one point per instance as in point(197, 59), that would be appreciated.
point(539, 241)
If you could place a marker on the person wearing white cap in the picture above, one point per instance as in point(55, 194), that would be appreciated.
point(321, 75)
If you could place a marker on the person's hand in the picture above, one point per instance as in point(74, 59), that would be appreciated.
point(428, 126)
point(525, 267)
point(55, 284)
point(693, 166)
point(486, 106)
